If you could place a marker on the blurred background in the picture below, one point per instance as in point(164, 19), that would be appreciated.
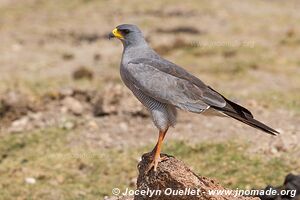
point(71, 130)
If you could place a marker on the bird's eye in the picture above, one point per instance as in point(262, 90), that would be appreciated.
point(125, 31)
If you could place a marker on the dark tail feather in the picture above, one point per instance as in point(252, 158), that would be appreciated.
point(252, 122)
point(242, 114)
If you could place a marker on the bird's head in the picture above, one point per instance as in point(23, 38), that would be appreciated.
point(129, 34)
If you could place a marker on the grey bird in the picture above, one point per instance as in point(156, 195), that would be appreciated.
point(163, 87)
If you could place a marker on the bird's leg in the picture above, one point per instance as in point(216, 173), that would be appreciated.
point(163, 137)
point(156, 158)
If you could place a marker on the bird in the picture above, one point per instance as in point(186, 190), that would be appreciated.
point(164, 87)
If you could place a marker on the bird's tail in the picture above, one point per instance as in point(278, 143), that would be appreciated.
point(252, 122)
point(243, 115)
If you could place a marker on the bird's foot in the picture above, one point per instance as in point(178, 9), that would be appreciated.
point(155, 161)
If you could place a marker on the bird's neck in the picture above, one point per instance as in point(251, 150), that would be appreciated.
point(141, 50)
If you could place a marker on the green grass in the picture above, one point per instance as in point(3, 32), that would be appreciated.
point(230, 164)
point(284, 99)
point(60, 170)
point(66, 171)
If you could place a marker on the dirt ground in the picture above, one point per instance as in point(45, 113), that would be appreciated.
point(58, 69)
point(40, 50)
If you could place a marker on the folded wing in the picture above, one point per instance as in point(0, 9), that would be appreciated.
point(168, 83)
point(171, 84)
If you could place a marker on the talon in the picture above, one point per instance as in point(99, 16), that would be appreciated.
point(151, 165)
point(155, 161)
point(156, 158)
point(163, 158)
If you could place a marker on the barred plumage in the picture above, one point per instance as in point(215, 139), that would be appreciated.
point(163, 115)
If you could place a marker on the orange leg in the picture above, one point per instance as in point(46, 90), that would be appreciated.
point(163, 137)
point(156, 151)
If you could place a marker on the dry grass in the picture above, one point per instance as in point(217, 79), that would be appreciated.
point(247, 50)
point(65, 171)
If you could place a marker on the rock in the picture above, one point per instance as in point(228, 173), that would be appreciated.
point(67, 56)
point(291, 184)
point(64, 92)
point(97, 57)
point(98, 109)
point(83, 73)
point(112, 96)
point(176, 181)
point(123, 126)
point(174, 176)
point(92, 125)
point(68, 125)
point(30, 180)
point(14, 105)
point(281, 146)
point(73, 105)
point(84, 95)
point(19, 125)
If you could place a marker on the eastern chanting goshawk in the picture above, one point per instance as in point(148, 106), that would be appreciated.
point(163, 87)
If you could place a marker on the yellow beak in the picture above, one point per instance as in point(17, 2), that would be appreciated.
point(116, 33)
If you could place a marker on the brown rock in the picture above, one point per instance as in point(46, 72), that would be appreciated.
point(73, 105)
point(14, 105)
point(98, 109)
point(175, 181)
point(173, 175)
point(83, 73)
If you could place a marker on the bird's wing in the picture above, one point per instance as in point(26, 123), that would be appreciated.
point(168, 83)
point(171, 84)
